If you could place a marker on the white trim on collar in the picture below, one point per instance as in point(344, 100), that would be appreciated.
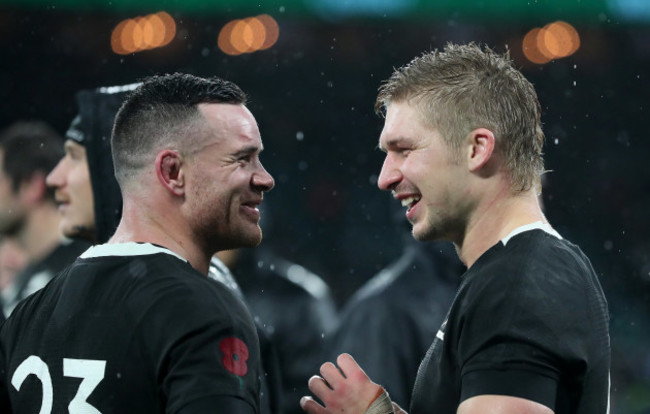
point(126, 249)
point(532, 226)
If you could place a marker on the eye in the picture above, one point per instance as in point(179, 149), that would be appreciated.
point(404, 151)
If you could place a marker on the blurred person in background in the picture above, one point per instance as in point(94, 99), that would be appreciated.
point(528, 330)
point(186, 156)
point(390, 322)
point(293, 306)
point(28, 213)
point(84, 180)
point(13, 259)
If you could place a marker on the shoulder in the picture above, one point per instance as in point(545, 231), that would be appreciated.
point(534, 281)
point(533, 260)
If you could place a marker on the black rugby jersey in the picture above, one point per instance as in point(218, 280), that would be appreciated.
point(130, 328)
point(529, 320)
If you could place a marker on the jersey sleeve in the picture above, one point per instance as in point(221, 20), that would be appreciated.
point(206, 350)
point(520, 331)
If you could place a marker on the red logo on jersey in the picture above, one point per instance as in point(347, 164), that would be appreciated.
point(235, 355)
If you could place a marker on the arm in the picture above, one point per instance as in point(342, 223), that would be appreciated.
point(343, 388)
point(501, 404)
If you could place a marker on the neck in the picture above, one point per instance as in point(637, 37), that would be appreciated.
point(41, 233)
point(145, 223)
point(494, 219)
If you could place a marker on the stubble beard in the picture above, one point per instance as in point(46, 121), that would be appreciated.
point(217, 232)
point(438, 227)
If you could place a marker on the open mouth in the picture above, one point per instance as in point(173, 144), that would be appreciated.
point(410, 202)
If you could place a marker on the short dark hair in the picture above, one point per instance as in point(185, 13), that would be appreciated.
point(465, 87)
point(160, 112)
point(30, 147)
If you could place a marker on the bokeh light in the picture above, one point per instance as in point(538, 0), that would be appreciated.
point(248, 35)
point(143, 33)
point(554, 41)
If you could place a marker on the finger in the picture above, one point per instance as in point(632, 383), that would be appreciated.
point(349, 366)
point(311, 407)
point(319, 387)
point(331, 374)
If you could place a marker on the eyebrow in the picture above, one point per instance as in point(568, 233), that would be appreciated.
point(248, 150)
point(393, 142)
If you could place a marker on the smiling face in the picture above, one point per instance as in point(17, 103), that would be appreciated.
point(423, 174)
point(73, 192)
point(226, 179)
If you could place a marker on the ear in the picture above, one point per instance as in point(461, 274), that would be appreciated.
point(33, 189)
point(480, 148)
point(170, 172)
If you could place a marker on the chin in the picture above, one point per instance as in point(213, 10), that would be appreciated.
point(429, 233)
point(244, 239)
point(79, 231)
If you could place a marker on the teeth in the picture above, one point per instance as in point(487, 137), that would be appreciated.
point(409, 201)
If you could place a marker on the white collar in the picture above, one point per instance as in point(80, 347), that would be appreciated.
point(126, 249)
point(532, 226)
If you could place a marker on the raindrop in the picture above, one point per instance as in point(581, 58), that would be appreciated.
point(373, 179)
point(575, 66)
point(608, 245)
point(330, 84)
point(556, 141)
point(205, 52)
point(574, 83)
point(260, 264)
point(300, 135)
point(281, 9)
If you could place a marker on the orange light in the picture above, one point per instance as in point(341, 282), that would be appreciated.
point(272, 30)
point(531, 49)
point(158, 30)
point(170, 27)
point(116, 38)
point(141, 33)
point(255, 34)
point(553, 41)
point(566, 39)
point(248, 35)
point(127, 38)
point(237, 36)
point(224, 39)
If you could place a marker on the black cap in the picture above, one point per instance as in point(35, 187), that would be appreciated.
point(75, 132)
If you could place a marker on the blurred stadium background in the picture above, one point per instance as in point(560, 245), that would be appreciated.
point(312, 68)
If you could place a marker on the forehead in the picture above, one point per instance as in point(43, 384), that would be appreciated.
point(403, 122)
point(72, 146)
point(231, 122)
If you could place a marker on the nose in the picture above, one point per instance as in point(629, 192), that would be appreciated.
point(53, 179)
point(390, 174)
point(262, 180)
